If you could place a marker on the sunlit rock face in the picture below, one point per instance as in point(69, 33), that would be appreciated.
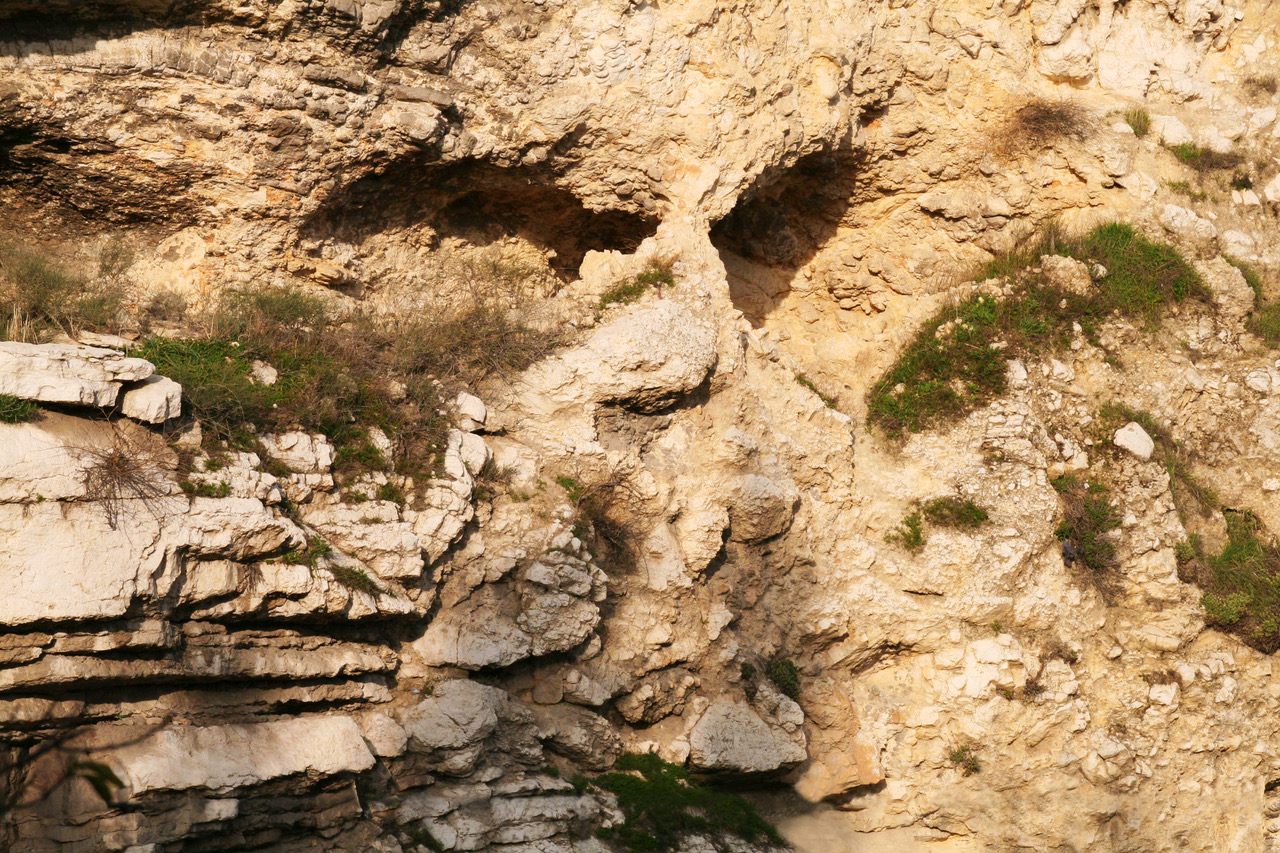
point(676, 532)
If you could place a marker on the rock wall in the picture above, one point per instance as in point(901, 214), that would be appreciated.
point(678, 514)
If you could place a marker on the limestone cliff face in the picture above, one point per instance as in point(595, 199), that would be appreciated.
point(677, 512)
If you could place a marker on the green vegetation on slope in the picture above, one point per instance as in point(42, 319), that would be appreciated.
point(663, 805)
point(956, 363)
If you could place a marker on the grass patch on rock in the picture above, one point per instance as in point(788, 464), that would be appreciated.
point(340, 375)
point(1204, 159)
point(15, 410)
point(1139, 121)
point(663, 806)
point(41, 295)
point(1188, 491)
point(960, 513)
point(654, 275)
point(1088, 519)
point(957, 361)
point(1242, 583)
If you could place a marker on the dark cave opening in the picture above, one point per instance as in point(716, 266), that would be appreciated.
point(480, 204)
point(780, 224)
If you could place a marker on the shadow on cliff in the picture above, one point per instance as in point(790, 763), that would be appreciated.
point(781, 224)
point(480, 204)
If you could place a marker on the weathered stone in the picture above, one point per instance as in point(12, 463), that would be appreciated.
point(66, 373)
point(1133, 438)
point(154, 400)
point(302, 452)
point(732, 736)
point(224, 758)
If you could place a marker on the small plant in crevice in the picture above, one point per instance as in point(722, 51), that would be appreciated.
point(1032, 688)
point(909, 533)
point(603, 513)
point(390, 492)
point(955, 512)
point(1058, 650)
point(1088, 519)
point(806, 382)
point(124, 471)
point(662, 806)
point(205, 490)
point(1185, 188)
point(657, 275)
point(1040, 122)
point(1139, 121)
point(355, 578)
point(15, 410)
point(1260, 84)
point(785, 675)
point(315, 550)
point(965, 759)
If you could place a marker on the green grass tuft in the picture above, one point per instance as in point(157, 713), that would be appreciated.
point(785, 675)
point(1139, 120)
point(1184, 188)
point(1204, 159)
point(909, 533)
point(955, 512)
point(1088, 518)
point(315, 551)
point(964, 758)
point(654, 275)
point(662, 806)
point(205, 490)
point(806, 382)
point(355, 579)
point(15, 410)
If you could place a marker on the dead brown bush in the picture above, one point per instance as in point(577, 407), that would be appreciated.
point(126, 469)
point(1041, 122)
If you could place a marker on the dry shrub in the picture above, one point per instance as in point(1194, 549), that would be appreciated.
point(39, 295)
point(1041, 122)
point(126, 469)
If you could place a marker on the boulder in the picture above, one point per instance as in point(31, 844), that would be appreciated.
point(303, 453)
point(762, 508)
point(373, 533)
point(154, 400)
point(471, 412)
point(1187, 227)
point(458, 714)
point(1231, 292)
point(732, 736)
point(1067, 274)
point(643, 359)
point(1134, 438)
point(582, 736)
point(384, 735)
